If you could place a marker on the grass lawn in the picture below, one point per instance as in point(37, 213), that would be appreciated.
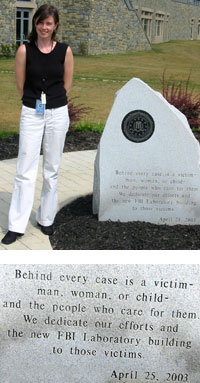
point(97, 78)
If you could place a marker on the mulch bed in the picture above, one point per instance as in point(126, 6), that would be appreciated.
point(74, 141)
point(76, 228)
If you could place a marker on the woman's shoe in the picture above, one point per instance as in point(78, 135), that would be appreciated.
point(10, 237)
point(47, 230)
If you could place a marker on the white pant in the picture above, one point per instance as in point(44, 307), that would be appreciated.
point(52, 127)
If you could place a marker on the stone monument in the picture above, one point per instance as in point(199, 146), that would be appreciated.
point(99, 323)
point(147, 166)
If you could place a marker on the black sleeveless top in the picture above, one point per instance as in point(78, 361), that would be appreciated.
point(44, 72)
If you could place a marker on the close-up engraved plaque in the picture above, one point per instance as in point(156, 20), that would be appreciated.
point(138, 126)
point(133, 323)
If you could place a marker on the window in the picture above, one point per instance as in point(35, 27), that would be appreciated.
point(192, 29)
point(146, 19)
point(167, 28)
point(159, 24)
point(24, 13)
point(22, 25)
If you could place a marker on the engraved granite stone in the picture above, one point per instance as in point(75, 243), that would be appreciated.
point(138, 126)
point(99, 323)
point(147, 166)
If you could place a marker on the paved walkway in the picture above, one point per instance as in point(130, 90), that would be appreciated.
point(75, 180)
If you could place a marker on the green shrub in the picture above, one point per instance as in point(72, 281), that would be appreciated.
point(14, 48)
point(89, 126)
point(83, 49)
point(8, 50)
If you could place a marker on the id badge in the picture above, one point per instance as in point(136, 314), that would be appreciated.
point(39, 107)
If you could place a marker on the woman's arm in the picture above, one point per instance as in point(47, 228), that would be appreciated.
point(68, 69)
point(20, 68)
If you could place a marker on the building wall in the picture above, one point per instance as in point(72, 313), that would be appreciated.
point(75, 22)
point(102, 26)
point(7, 21)
point(113, 27)
point(94, 27)
point(180, 16)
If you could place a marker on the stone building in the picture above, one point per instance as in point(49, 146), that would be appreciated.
point(107, 26)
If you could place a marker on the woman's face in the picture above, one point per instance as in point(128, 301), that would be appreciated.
point(46, 27)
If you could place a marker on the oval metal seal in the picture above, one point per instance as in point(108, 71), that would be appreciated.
point(138, 126)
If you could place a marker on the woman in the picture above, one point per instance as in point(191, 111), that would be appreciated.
point(44, 71)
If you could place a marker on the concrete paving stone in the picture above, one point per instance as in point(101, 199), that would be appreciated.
point(72, 167)
point(63, 181)
point(86, 186)
point(64, 187)
point(75, 179)
point(70, 194)
point(65, 191)
point(69, 199)
point(75, 182)
point(38, 190)
point(32, 223)
point(68, 185)
point(12, 168)
point(84, 179)
point(65, 178)
point(2, 247)
point(39, 182)
point(4, 175)
point(4, 227)
point(33, 229)
point(5, 167)
point(78, 165)
point(11, 173)
point(85, 190)
point(4, 164)
point(4, 221)
point(17, 245)
point(88, 178)
point(33, 243)
point(3, 181)
point(4, 200)
point(36, 201)
point(74, 175)
point(10, 178)
point(75, 158)
point(4, 208)
point(8, 188)
point(11, 161)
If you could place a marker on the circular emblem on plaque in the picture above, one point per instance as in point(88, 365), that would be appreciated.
point(138, 126)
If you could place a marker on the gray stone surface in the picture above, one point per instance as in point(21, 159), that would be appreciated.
point(99, 323)
point(156, 180)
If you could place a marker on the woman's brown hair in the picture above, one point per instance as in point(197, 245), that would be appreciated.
point(42, 13)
